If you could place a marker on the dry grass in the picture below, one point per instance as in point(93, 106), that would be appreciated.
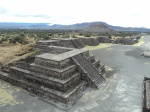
point(115, 37)
point(7, 97)
point(100, 46)
point(8, 53)
point(141, 41)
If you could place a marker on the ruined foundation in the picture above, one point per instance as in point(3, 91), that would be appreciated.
point(56, 74)
point(59, 72)
point(146, 95)
point(127, 41)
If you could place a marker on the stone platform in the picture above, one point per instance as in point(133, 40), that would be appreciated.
point(57, 74)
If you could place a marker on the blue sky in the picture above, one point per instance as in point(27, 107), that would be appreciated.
point(128, 13)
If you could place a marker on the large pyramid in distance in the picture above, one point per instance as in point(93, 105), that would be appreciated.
point(98, 28)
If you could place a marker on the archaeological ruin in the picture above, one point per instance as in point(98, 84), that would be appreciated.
point(146, 95)
point(103, 39)
point(127, 41)
point(59, 71)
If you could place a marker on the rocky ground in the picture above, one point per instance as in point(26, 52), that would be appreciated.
point(122, 91)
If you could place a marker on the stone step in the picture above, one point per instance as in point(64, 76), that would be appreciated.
point(38, 46)
point(53, 72)
point(52, 64)
point(62, 85)
point(42, 91)
point(95, 77)
point(86, 54)
point(55, 43)
point(99, 82)
point(102, 68)
point(77, 43)
point(86, 41)
point(91, 58)
point(95, 42)
point(66, 43)
point(96, 63)
point(23, 65)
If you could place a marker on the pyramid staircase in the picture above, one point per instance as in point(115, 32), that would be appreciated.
point(93, 76)
point(77, 43)
point(94, 41)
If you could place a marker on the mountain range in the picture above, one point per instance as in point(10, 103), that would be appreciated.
point(78, 26)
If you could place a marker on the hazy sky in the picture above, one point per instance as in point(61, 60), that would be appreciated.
point(133, 13)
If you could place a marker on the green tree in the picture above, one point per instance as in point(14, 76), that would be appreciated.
point(19, 39)
point(66, 36)
point(74, 36)
point(88, 35)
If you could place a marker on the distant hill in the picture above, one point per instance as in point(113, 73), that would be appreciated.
point(11, 25)
point(98, 28)
point(78, 26)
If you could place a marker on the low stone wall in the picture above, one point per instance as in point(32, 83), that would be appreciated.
point(95, 42)
point(86, 53)
point(38, 46)
point(75, 96)
point(91, 58)
point(77, 43)
point(86, 41)
point(23, 65)
point(66, 43)
point(51, 63)
point(44, 81)
point(103, 39)
point(57, 50)
point(146, 95)
point(55, 43)
point(44, 43)
point(36, 89)
point(126, 41)
point(53, 72)
point(55, 97)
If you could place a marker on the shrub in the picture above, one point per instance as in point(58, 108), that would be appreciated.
point(4, 39)
point(19, 39)
point(74, 36)
point(46, 37)
point(88, 35)
point(66, 36)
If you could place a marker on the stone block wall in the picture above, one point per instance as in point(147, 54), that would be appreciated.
point(103, 39)
point(86, 41)
point(51, 63)
point(66, 43)
point(56, 50)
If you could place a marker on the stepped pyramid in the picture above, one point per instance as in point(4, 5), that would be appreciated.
point(68, 42)
point(57, 74)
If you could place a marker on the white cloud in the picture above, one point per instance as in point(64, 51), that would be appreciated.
point(116, 12)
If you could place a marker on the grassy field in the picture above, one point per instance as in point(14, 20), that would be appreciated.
point(8, 53)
